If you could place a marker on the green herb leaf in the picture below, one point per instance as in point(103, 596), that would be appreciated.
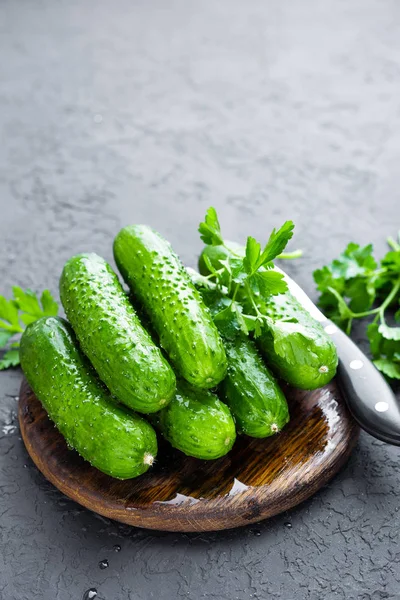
point(382, 347)
point(245, 276)
point(239, 317)
point(210, 231)
point(4, 337)
point(389, 333)
point(350, 287)
point(391, 261)
point(10, 359)
point(9, 316)
point(252, 323)
point(237, 270)
point(27, 301)
point(253, 250)
point(270, 283)
point(388, 367)
point(276, 243)
point(50, 306)
point(25, 308)
point(226, 320)
point(361, 292)
point(258, 327)
point(354, 261)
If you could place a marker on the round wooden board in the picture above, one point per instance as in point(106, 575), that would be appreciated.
point(258, 478)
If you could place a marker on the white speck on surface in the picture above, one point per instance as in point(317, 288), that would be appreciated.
point(381, 406)
point(98, 118)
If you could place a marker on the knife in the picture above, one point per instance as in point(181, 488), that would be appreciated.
point(369, 398)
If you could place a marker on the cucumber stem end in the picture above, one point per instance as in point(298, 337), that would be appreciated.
point(148, 459)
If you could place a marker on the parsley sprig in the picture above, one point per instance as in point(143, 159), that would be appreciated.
point(15, 315)
point(246, 278)
point(356, 286)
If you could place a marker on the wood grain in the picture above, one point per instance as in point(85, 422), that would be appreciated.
point(258, 478)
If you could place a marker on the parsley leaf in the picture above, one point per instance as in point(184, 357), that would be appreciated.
point(388, 367)
point(49, 305)
point(9, 316)
point(389, 333)
point(270, 282)
point(352, 285)
point(277, 243)
point(10, 359)
point(244, 276)
point(23, 309)
point(354, 261)
point(4, 337)
point(210, 231)
point(253, 250)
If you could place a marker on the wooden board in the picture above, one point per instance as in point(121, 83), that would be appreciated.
point(258, 478)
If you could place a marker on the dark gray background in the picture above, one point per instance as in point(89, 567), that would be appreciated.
point(127, 111)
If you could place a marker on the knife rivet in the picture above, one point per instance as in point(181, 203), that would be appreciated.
point(356, 364)
point(331, 329)
point(381, 406)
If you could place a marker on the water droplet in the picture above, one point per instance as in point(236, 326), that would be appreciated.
point(9, 429)
point(256, 532)
point(103, 564)
point(117, 548)
point(90, 594)
point(288, 525)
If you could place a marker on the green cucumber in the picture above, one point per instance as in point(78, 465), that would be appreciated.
point(112, 336)
point(295, 346)
point(252, 392)
point(113, 440)
point(249, 389)
point(197, 423)
point(184, 325)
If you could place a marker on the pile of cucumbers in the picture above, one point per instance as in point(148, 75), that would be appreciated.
point(95, 372)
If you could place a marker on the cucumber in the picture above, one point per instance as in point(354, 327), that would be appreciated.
point(252, 393)
point(197, 423)
point(295, 346)
point(113, 440)
point(112, 337)
point(183, 323)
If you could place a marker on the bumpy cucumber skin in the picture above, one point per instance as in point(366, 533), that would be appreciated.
point(197, 423)
point(251, 391)
point(113, 440)
point(306, 370)
point(112, 337)
point(183, 323)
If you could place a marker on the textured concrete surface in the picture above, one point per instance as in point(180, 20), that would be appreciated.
point(127, 111)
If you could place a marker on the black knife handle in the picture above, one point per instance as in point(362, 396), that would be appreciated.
point(369, 397)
